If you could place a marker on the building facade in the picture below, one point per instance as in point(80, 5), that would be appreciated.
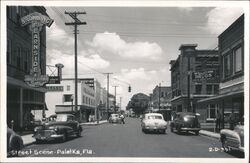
point(194, 76)
point(230, 100)
point(161, 101)
point(22, 99)
point(60, 99)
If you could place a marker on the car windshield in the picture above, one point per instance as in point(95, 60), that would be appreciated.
point(61, 118)
point(154, 117)
point(115, 115)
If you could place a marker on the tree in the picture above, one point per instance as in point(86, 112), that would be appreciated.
point(138, 103)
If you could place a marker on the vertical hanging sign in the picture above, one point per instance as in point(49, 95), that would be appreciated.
point(36, 21)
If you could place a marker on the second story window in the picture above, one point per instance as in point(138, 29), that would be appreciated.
point(198, 89)
point(227, 65)
point(209, 89)
point(67, 98)
point(9, 51)
point(18, 57)
point(238, 59)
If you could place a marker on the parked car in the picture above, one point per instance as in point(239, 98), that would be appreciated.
point(14, 143)
point(185, 121)
point(153, 122)
point(233, 139)
point(60, 127)
point(115, 118)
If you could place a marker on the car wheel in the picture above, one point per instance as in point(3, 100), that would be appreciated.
point(178, 130)
point(163, 131)
point(64, 137)
point(38, 141)
point(196, 132)
point(172, 130)
point(79, 133)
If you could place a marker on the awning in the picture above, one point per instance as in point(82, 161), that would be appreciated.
point(221, 96)
point(64, 108)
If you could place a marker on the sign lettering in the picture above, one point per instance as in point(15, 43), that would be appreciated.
point(36, 21)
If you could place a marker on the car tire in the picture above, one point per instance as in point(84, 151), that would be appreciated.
point(178, 130)
point(171, 129)
point(64, 137)
point(79, 133)
point(197, 133)
point(163, 131)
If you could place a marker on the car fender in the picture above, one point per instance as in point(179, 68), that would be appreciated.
point(230, 134)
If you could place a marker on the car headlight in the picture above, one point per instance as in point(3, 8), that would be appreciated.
point(185, 119)
point(56, 129)
point(35, 129)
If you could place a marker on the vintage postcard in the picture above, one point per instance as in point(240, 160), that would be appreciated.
point(124, 81)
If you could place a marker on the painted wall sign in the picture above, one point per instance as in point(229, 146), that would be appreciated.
point(36, 21)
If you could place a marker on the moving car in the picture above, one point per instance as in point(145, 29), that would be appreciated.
point(153, 122)
point(233, 139)
point(115, 118)
point(14, 143)
point(185, 121)
point(60, 126)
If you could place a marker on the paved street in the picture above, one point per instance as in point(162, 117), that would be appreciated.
point(118, 140)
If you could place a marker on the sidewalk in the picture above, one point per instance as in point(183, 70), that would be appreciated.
point(28, 139)
point(93, 123)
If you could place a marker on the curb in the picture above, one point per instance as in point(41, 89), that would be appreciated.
point(92, 124)
point(209, 134)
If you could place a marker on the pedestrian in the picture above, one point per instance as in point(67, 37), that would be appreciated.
point(218, 120)
point(122, 118)
point(232, 120)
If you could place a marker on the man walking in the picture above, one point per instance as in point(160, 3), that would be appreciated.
point(218, 120)
point(122, 118)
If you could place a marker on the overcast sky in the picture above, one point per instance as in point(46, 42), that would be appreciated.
point(134, 43)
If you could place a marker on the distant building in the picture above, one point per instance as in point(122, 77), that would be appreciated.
point(194, 76)
point(161, 97)
point(60, 98)
point(231, 90)
point(161, 101)
point(22, 100)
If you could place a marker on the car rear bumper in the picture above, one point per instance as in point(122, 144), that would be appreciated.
point(155, 127)
point(190, 129)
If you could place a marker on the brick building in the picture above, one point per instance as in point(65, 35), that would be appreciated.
point(194, 76)
point(21, 98)
point(231, 89)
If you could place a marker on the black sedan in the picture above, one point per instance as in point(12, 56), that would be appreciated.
point(185, 121)
point(14, 143)
point(58, 127)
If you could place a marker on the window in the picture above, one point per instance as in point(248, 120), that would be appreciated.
point(198, 89)
point(211, 111)
point(9, 51)
point(83, 99)
point(162, 94)
point(26, 61)
point(216, 89)
point(238, 59)
point(19, 51)
point(68, 87)
point(209, 89)
point(67, 98)
point(227, 65)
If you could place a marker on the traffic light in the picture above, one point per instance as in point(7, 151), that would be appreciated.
point(129, 88)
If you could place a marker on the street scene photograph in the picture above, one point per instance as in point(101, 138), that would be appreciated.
point(125, 82)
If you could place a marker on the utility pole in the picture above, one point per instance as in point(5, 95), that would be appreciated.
point(108, 94)
point(188, 85)
point(115, 97)
point(75, 24)
point(159, 96)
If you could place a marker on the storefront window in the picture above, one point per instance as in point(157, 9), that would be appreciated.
point(238, 59)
